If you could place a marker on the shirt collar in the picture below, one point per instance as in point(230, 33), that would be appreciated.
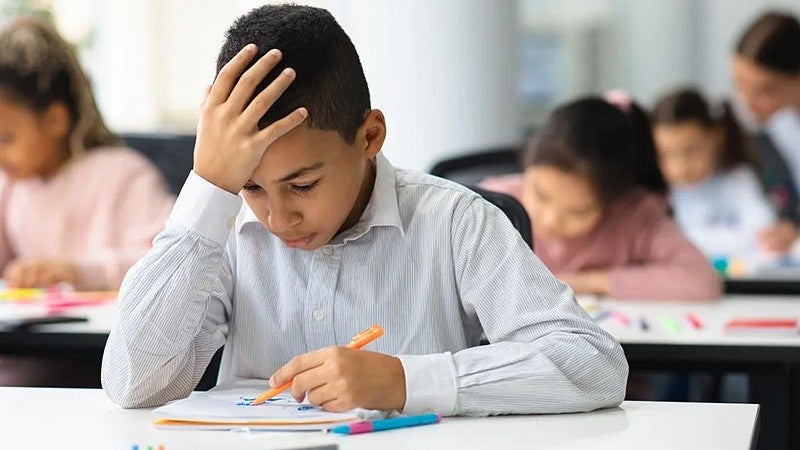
point(382, 209)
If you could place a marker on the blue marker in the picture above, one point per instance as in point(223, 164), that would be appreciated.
point(602, 315)
point(367, 426)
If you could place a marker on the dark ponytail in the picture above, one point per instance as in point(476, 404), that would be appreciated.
point(647, 171)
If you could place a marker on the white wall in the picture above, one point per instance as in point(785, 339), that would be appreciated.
point(443, 71)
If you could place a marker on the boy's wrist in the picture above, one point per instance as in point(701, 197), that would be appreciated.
point(218, 181)
point(206, 209)
point(430, 383)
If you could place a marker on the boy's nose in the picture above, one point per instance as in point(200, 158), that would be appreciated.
point(282, 221)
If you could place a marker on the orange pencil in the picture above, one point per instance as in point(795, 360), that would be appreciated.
point(358, 341)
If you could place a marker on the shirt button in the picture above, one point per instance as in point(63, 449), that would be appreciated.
point(319, 314)
point(327, 250)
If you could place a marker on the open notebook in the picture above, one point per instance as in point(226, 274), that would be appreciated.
point(229, 405)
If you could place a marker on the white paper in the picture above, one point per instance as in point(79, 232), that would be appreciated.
point(229, 405)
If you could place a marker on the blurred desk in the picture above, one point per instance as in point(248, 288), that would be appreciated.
point(87, 338)
point(772, 362)
point(84, 418)
point(81, 340)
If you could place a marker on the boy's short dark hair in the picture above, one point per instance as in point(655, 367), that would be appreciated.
point(330, 81)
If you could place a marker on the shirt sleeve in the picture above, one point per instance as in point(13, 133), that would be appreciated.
point(174, 303)
point(545, 354)
point(667, 267)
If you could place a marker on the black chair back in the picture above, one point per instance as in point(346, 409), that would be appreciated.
point(513, 209)
point(470, 169)
point(172, 154)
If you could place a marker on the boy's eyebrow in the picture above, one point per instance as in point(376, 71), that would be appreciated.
point(300, 172)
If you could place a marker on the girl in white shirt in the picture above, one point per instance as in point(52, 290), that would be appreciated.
point(715, 190)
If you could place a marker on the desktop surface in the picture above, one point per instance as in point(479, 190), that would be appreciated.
point(84, 418)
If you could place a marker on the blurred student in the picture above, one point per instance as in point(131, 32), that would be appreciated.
point(766, 74)
point(596, 199)
point(75, 205)
point(715, 191)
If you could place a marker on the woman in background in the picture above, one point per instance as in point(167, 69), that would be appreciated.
point(766, 74)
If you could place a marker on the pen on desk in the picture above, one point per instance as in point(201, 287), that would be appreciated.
point(622, 319)
point(367, 426)
point(670, 324)
point(694, 321)
point(602, 315)
point(358, 341)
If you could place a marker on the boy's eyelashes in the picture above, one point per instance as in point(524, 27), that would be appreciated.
point(304, 187)
point(300, 188)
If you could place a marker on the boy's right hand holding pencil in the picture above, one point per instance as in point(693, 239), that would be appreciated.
point(229, 143)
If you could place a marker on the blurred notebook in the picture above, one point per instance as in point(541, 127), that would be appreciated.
point(229, 405)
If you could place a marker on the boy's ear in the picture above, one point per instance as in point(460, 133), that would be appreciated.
point(57, 120)
point(372, 133)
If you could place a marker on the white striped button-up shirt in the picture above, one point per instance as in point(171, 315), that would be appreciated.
point(429, 260)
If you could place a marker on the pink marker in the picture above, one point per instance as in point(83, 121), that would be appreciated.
point(694, 321)
point(621, 318)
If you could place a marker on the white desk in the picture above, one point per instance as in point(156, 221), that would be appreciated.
point(714, 315)
point(84, 418)
point(772, 362)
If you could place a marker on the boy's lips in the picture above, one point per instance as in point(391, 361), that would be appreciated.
point(298, 242)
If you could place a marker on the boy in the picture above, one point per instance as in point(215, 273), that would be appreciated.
point(332, 239)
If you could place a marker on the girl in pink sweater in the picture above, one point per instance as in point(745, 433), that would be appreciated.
point(75, 206)
point(596, 199)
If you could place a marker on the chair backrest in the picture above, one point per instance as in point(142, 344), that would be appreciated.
point(172, 154)
point(471, 168)
point(513, 209)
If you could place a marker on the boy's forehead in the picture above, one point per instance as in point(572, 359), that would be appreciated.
point(301, 148)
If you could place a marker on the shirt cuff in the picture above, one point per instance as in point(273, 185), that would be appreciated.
point(430, 383)
point(206, 209)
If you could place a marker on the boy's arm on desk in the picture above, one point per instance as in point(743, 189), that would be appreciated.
point(545, 356)
point(174, 303)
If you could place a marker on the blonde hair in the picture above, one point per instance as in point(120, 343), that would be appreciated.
point(38, 67)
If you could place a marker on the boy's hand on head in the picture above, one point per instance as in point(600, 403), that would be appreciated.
point(229, 144)
point(39, 273)
point(341, 378)
point(780, 237)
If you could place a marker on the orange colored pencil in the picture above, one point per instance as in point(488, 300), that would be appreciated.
point(358, 341)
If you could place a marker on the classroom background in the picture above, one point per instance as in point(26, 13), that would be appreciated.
point(496, 68)
point(493, 71)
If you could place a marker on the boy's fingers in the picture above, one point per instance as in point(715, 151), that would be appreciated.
point(307, 381)
point(297, 365)
point(264, 100)
point(321, 395)
point(229, 74)
point(247, 83)
point(277, 129)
